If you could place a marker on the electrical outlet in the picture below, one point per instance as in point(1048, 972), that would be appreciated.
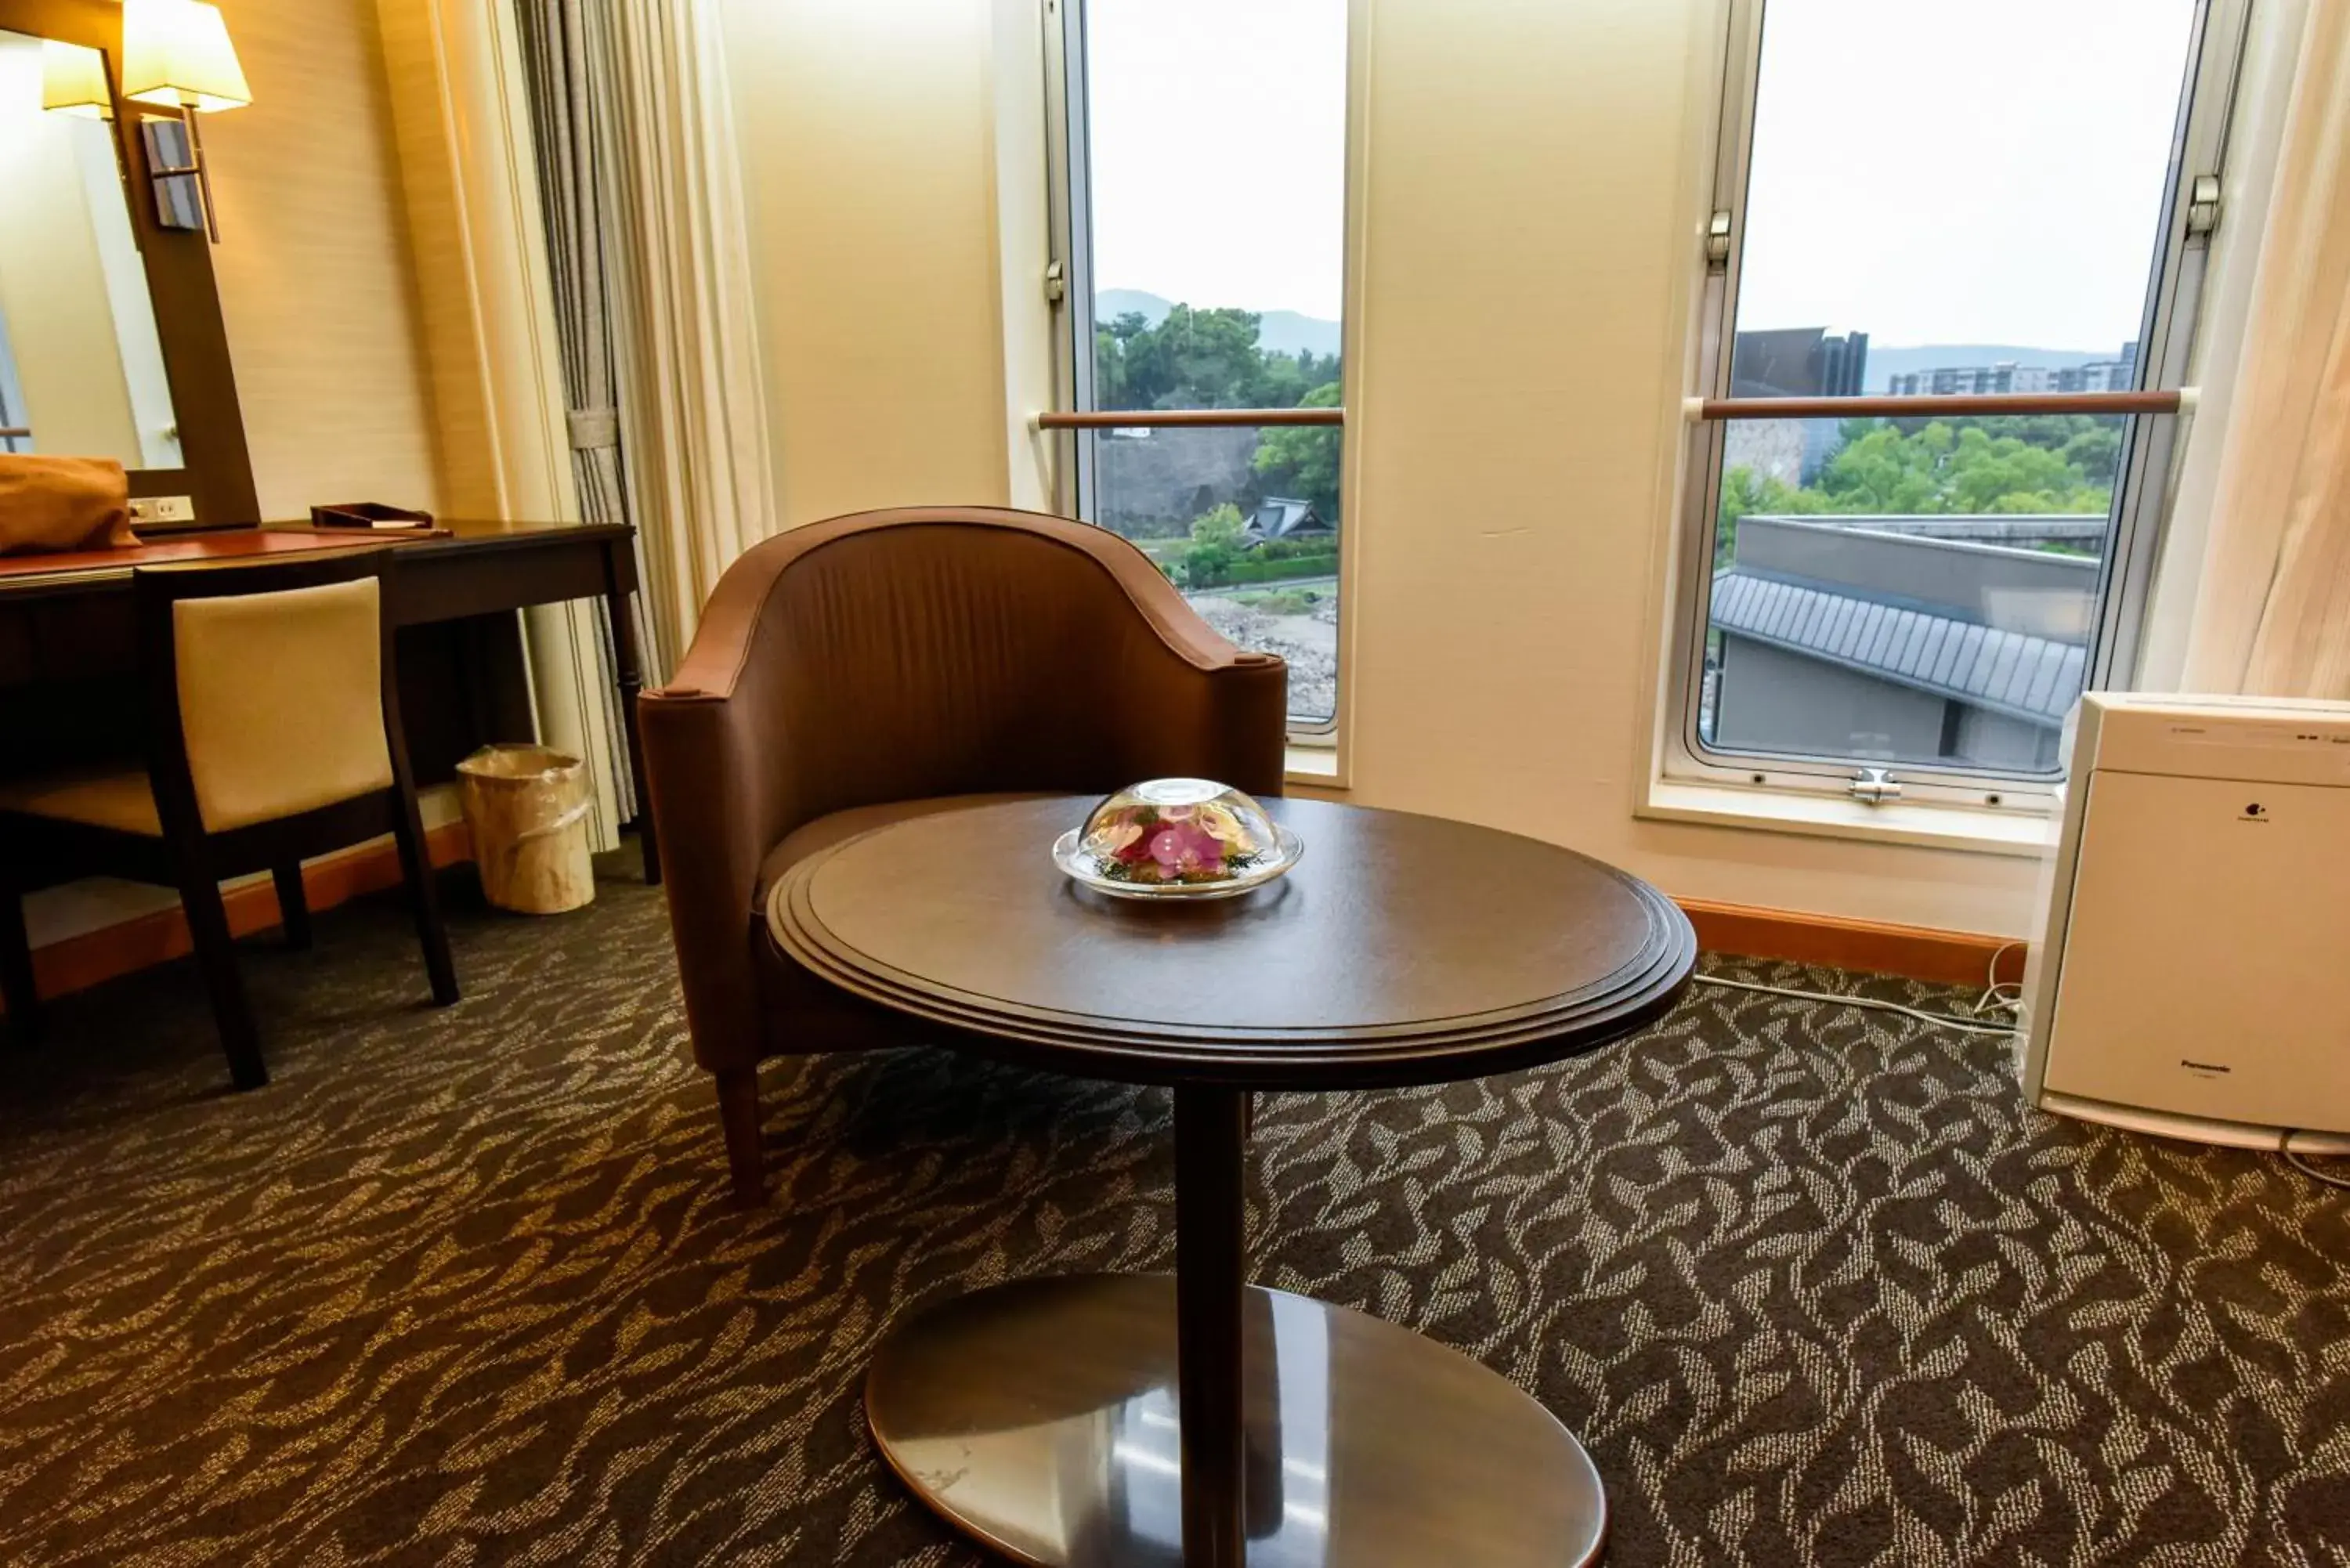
point(150, 509)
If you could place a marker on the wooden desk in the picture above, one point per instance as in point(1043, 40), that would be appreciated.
point(66, 628)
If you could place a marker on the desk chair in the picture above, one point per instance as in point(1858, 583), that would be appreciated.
point(273, 734)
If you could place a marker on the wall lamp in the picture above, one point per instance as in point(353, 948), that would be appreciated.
point(175, 55)
point(73, 80)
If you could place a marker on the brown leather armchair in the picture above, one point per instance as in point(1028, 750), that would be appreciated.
point(882, 665)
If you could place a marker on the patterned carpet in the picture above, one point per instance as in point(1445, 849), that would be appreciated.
point(461, 1288)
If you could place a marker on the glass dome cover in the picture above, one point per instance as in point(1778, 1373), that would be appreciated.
point(1177, 838)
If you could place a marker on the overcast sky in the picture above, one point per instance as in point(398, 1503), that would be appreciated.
point(1926, 170)
point(1219, 141)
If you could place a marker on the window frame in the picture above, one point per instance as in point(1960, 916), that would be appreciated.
point(13, 413)
point(2140, 512)
point(1069, 287)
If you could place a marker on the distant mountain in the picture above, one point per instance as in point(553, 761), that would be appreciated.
point(1886, 363)
point(1278, 331)
point(1112, 303)
point(1286, 332)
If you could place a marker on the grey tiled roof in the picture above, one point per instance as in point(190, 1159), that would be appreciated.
point(2036, 679)
point(1279, 516)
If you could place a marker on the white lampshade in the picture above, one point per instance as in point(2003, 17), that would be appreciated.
point(176, 52)
point(73, 80)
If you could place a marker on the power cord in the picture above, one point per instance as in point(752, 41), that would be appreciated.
point(1990, 1003)
point(1939, 1020)
point(1993, 1000)
point(2301, 1162)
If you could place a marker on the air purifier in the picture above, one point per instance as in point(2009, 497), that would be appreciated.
point(2191, 971)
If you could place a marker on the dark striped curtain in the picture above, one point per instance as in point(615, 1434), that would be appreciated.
point(563, 46)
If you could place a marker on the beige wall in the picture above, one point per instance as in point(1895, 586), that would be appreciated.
point(867, 133)
point(316, 278)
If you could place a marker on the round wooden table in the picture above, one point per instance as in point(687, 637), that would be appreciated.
point(1138, 1419)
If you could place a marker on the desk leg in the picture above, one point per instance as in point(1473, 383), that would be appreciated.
point(1210, 1282)
point(630, 677)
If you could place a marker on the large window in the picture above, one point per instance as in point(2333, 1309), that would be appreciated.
point(1922, 205)
point(1200, 186)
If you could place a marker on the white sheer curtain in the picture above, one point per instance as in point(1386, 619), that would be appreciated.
point(651, 265)
point(2273, 605)
point(692, 412)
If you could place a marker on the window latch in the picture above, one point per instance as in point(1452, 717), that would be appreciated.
point(1874, 786)
point(1717, 239)
point(2203, 204)
point(1057, 283)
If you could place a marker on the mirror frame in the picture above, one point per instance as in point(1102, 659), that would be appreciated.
point(181, 289)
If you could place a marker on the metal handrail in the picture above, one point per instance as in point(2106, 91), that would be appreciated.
point(2179, 400)
point(1183, 419)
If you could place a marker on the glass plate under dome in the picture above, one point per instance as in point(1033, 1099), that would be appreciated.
point(1177, 838)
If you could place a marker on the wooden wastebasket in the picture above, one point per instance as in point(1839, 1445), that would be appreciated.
point(526, 807)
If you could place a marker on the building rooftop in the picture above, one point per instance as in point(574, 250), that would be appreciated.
point(2034, 592)
point(2084, 531)
point(2034, 679)
point(1285, 517)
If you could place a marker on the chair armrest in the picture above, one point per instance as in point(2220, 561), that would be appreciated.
point(1240, 734)
point(722, 792)
point(1220, 711)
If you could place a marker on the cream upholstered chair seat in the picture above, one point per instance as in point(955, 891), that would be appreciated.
point(278, 702)
point(120, 799)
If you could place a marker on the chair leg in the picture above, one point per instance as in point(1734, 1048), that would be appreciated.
point(293, 904)
point(424, 901)
point(199, 896)
point(17, 991)
point(738, 1113)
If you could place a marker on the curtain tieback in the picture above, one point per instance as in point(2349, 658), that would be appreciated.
point(594, 429)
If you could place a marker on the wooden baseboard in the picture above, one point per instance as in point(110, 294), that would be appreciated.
point(79, 963)
point(1920, 952)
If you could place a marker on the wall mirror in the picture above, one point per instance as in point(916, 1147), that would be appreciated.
point(112, 339)
point(81, 365)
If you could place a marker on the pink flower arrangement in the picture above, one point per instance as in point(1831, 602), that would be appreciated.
point(1182, 846)
point(1178, 844)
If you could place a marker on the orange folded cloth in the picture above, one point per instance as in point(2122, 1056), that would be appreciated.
point(63, 504)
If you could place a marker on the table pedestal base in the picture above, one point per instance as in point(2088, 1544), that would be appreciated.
point(1041, 1418)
